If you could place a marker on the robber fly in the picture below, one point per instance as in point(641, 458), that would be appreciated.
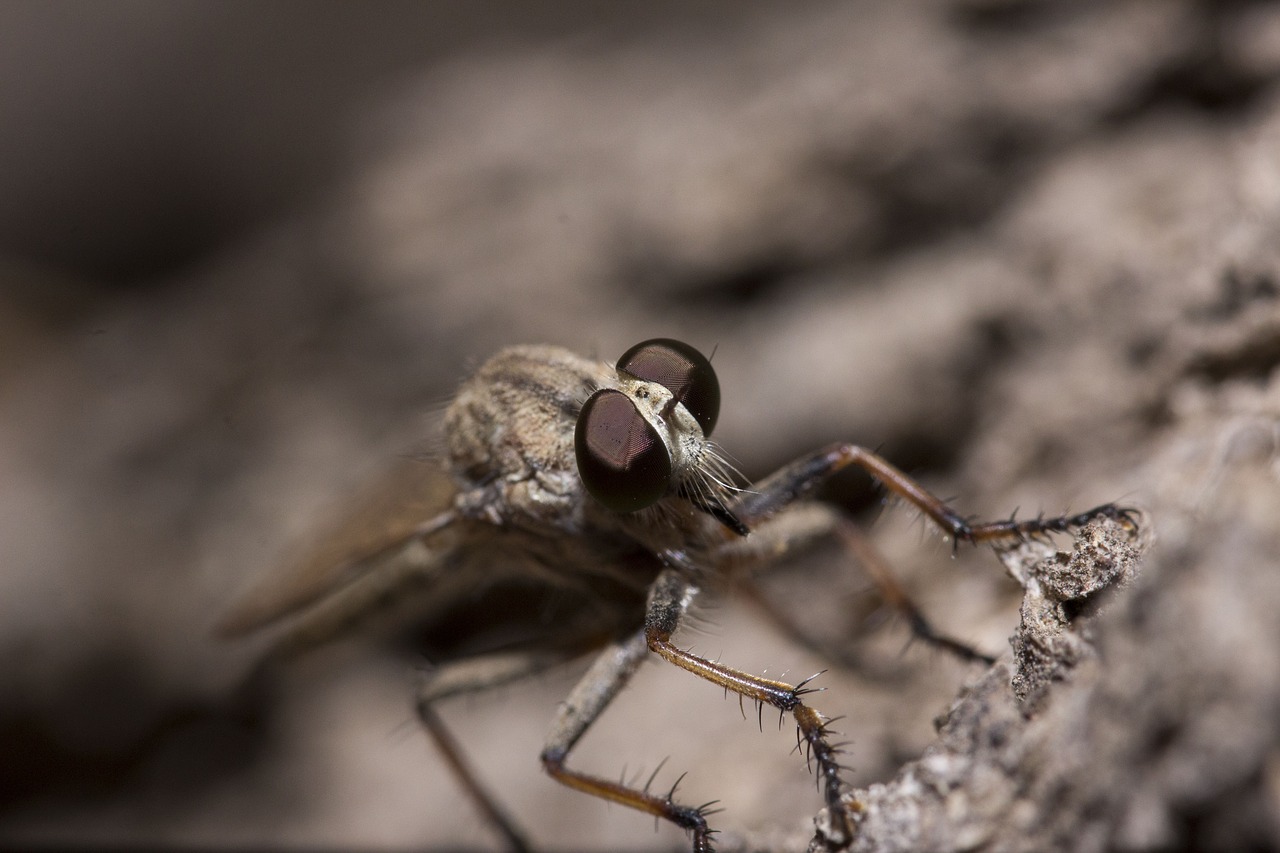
point(580, 507)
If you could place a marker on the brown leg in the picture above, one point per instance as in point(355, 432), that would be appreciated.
point(610, 672)
point(897, 598)
point(796, 526)
point(668, 601)
point(489, 807)
point(471, 676)
point(797, 479)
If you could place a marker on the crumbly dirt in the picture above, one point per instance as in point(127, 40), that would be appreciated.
point(1029, 250)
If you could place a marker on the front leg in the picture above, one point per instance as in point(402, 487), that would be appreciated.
point(798, 479)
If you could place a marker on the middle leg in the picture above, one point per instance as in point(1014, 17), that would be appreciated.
point(669, 601)
point(800, 525)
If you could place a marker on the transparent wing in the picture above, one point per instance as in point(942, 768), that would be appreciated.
point(404, 508)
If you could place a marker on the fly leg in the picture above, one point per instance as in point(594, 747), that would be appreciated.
point(669, 600)
point(471, 676)
point(893, 593)
point(783, 488)
point(799, 478)
point(799, 525)
point(608, 675)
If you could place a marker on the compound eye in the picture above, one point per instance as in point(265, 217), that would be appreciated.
point(680, 369)
point(621, 459)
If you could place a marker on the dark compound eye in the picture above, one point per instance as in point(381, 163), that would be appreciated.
point(680, 369)
point(621, 460)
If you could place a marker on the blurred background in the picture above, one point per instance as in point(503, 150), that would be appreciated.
point(1025, 248)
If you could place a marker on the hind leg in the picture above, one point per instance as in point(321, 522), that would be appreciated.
point(472, 676)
